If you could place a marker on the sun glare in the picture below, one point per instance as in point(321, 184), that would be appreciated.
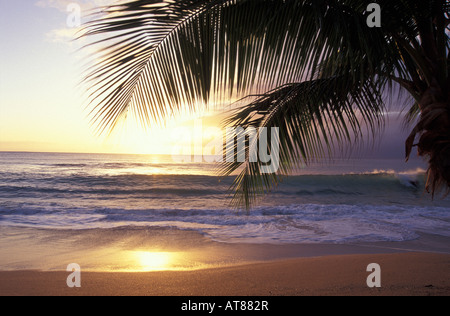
point(154, 261)
point(176, 136)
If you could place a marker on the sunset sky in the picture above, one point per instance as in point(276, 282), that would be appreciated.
point(42, 105)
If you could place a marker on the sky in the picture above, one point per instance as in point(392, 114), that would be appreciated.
point(42, 105)
point(40, 100)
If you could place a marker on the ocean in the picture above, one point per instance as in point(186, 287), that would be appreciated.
point(156, 198)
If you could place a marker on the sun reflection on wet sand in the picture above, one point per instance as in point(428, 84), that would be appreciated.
point(154, 261)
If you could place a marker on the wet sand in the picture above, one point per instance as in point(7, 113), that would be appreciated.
point(402, 274)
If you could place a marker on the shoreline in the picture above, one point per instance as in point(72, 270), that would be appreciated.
point(134, 250)
point(402, 274)
point(33, 263)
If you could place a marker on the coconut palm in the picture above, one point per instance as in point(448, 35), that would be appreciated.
point(313, 68)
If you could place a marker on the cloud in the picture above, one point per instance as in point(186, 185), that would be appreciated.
point(62, 35)
point(62, 5)
point(67, 30)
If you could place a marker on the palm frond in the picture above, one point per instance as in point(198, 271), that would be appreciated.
point(311, 117)
point(157, 57)
point(138, 66)
point(314, 67)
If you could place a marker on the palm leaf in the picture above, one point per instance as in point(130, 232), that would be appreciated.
point(157, 57)
point(312, 117)
point(314, 68)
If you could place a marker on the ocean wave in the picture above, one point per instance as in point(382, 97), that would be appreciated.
point(114, 192)
point(77, 193)
point(199, 183)
point(312, 223)
point(412, 172)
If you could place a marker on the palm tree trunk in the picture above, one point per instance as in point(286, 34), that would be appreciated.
point(434, 102)
point(434, 142)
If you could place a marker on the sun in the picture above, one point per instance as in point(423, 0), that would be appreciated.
point(177, 136)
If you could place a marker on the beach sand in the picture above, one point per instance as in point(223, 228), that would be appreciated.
point(402, 274)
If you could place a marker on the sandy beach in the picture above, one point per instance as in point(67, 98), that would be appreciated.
point(238, 148)
point(402, 274)
point(136, 234)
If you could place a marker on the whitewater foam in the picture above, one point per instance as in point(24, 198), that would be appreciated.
point(285, 224)
point(80, 192)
